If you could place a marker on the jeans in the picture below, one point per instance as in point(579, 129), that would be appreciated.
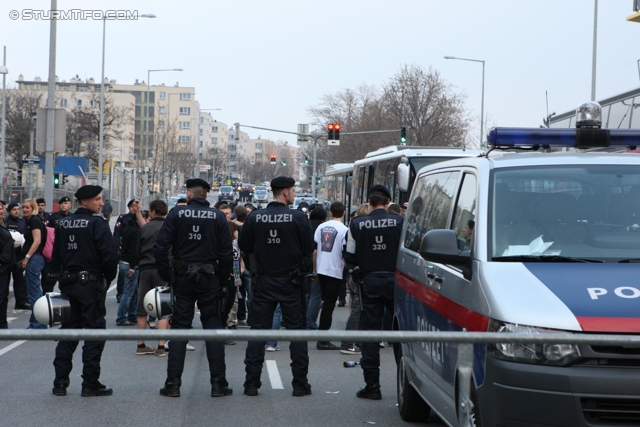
point(277, 320)
point(314, 302)
point(32, 277)
point(4, 299)
point(354, 318)
point(127, 307)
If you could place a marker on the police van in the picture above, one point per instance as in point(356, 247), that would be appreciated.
point(539, 235)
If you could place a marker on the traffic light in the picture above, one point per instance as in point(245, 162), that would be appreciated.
point(318, 180)
point(64, 178)
point(309, 181)
point(331, 131)
point(336, 131)
point(403, 136)
point(283, 163)
point(19, 177)
point(56, 180)
point(306, 160)
point(273, 159)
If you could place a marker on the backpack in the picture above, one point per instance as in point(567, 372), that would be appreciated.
point(49, 236)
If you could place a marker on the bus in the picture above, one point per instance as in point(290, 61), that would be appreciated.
point(337, 179)
point(396, 167)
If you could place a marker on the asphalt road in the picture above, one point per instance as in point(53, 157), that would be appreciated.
point(26, 375)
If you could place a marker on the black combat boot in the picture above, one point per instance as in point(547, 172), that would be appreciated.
point(251, 386)
point(60, 386)
point(95, 388)
point(370, 391)
point(220, 387)
point(300, 388)
point(171, 387)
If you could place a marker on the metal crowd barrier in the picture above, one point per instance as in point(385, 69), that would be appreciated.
point(464, 339)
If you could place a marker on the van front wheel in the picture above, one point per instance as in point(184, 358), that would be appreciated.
point(410, 404)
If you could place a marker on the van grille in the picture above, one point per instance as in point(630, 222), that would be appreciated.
point(611, 412)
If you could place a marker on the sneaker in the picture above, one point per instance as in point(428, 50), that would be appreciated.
point(145, 350)
point(118, 298)
point(370, 391)
point(190, 348)
point(342, 303)
point(351, 350)
point(272, 348)
point(300, 388)
point(229, 342)
point(242, 323)
point(326, 346)
point(382, 344)
point(161, 352)
point(251, 387)
point(126, 323)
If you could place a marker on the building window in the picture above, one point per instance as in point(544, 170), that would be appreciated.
point(200, 132)
point(185, 125)
point(214, 128)
point(185, 139)
point(160, 138)
point(201, 144)
point(163, 95)
point(161, 124)
point(163, 110)
point(185, 97)
point(185, 111)
point(78, 103)
point(63, 102)
point(258, 155)
point(214, 139)
point(94, 103)
point(258, 144)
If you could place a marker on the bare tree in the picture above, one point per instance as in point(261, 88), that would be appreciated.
point(21, 104)
point(420, 100)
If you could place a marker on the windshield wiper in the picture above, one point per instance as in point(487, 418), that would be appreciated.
point(543, 258)
point(630, 260)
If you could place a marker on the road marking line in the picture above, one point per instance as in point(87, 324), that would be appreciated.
point(11, 319)
point(11, 347)
point(112, 287)
point(274, 375)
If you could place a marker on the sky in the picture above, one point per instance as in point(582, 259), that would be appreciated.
point(264, 63)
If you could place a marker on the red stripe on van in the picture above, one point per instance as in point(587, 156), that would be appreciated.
point(461, 316)
point(609, 324)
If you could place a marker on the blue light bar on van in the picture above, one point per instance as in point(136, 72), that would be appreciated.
point(577, 138)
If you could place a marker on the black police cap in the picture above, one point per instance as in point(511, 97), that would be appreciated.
point(197, 182)
point(379, 189)
point(88, 192)
point(130, 202)
point(282, 182)
point(64, 199)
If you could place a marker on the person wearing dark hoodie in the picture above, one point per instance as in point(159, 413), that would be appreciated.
point(314, 297)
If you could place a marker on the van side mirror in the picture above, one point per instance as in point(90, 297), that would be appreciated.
point(348, 189)
point(441, 246)
point(403, 177)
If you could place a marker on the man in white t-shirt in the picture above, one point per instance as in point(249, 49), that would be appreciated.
point(330, 238)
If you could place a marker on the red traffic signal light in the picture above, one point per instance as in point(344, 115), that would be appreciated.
point(331, 131)
point(273, 159)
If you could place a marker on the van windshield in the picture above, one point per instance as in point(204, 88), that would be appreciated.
point(581, 212)
point(226, 189)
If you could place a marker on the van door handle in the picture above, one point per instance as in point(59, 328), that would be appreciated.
point(438, 280)
point(431, 276)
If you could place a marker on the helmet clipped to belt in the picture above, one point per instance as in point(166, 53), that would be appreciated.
point(158, 302)
point(52, 309)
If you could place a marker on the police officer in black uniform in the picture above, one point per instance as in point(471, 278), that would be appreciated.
point(121, 223)
point(199, 239)
point(372, 246)
point(281, 240)
point(48, 280)
point(85, 258)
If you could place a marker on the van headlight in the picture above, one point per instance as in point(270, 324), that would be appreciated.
point(542, 354)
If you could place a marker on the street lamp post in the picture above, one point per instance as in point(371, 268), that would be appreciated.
point(145, 190)
point(482, 105)
point(4, 71)
point(101, 131)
